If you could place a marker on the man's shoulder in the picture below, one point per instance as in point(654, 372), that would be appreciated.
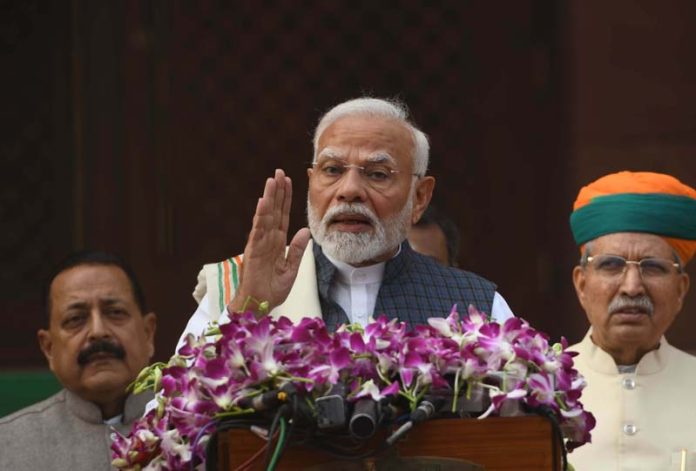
point(430, 266)
point(582, 345)
point(47, 435)
point(576, 347)
point(681, 358)
point(416, 287)
point(31, 415)
point(580, 358)
point(458, 273)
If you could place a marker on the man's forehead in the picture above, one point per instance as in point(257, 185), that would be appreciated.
point(631, 243)
point(89, 284)
point(72, 300)
point(369, 135)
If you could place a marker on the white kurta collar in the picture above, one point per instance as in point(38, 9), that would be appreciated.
point(355, 289)
point(351, 275)
point(600, 361)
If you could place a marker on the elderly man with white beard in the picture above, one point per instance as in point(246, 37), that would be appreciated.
point(367, 186)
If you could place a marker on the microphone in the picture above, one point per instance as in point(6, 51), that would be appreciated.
point(425, 410)
point(390, 410)
point(363, 422)
point(331, 408)
point(269, 399)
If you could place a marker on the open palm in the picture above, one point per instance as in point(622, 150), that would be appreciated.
point(270, 265)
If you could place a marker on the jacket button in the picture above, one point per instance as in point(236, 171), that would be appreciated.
point(629, 383)
point(630, 429)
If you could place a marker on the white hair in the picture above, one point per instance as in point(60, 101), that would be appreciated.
point(380, 108)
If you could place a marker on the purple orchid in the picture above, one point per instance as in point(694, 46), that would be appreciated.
point(455, 356)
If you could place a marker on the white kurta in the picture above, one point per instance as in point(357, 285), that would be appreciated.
point(646, 420)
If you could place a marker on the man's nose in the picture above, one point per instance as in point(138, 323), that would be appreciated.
point(98, 328)
point(351, 186)
point(632, 281)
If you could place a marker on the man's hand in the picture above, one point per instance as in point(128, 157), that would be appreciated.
point(267, 271)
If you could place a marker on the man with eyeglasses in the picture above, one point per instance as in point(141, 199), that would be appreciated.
point(636, 232)
point(367, 186)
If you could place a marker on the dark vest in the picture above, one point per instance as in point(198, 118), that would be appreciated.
point(414, 288)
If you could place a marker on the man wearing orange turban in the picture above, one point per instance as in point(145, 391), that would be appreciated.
point(636, 232)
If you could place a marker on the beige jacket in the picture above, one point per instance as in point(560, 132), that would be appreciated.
point(644, 419)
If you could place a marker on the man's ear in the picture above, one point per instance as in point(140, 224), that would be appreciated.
point(46, 345)
point(422, 196)
point(150, 321)
point(579, 280)
point(684, 283)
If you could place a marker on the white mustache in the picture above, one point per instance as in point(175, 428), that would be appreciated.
point(347, 209)
point(623, 302)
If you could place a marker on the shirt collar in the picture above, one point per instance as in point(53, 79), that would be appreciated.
point(90, 412)
point(351, 275)
point(326, 269)
point(600, 361)
point(85, 410)
point(114, 420)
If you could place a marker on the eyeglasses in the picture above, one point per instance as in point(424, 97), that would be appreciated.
point(377, 175)
point(614, 266)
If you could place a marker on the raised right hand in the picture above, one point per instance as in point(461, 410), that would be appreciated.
point(268, 272)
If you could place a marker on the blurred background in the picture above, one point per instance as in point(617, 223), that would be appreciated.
point(147, 128)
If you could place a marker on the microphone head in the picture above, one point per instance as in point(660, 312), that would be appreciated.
point(331, 412)
point(427, 409)
point(363, 422)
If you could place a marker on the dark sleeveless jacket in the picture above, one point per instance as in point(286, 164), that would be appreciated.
point(414, 288)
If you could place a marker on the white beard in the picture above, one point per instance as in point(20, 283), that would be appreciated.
point(357, 248)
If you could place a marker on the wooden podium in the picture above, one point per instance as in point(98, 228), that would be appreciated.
point(495, 444)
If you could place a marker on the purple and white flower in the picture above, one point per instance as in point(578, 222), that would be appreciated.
point(212, 376)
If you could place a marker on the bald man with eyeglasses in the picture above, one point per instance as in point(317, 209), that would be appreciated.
point(368, 184)
point(636, 232)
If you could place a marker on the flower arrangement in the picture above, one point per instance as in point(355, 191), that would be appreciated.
point(215, 375)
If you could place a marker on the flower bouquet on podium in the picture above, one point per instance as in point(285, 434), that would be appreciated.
point(281, 379)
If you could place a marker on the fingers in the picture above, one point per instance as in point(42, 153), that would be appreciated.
point(263, 216)
point(285, 211)
point(273, 208)
point(278, 198)
point(297, 246)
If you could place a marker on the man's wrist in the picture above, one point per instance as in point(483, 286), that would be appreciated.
point(248, 303)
